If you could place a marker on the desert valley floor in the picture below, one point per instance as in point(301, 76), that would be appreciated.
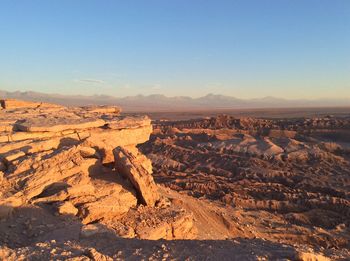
point(90, 183)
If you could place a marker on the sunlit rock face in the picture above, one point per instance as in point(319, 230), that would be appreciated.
point(63, 158)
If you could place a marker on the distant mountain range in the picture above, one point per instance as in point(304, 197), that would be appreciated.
point(158, 102)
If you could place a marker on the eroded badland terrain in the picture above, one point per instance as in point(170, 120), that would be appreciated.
point(87, 183)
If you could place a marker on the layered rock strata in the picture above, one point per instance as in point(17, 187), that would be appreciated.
point(59, 157)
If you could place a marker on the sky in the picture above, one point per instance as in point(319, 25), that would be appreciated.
point(243, 48)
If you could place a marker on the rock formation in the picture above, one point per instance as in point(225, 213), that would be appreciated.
point(136, 168)
point(57, 156)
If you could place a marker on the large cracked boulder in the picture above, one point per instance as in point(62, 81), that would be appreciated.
point(132, 165)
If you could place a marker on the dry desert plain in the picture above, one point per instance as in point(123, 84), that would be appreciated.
point(92, 183)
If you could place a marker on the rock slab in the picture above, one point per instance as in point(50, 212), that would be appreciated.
point(58, 124)
point(128, 164)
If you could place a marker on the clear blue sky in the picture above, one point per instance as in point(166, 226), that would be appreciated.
point(247, 49)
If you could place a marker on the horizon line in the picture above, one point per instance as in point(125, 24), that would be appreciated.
point(179, 96)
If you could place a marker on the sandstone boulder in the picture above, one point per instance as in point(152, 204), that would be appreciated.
point(67, 208)
point(128, 164)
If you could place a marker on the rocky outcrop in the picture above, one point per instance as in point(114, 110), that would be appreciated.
point(59, 157)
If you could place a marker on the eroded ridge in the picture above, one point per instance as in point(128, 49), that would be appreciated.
point(284, 180)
